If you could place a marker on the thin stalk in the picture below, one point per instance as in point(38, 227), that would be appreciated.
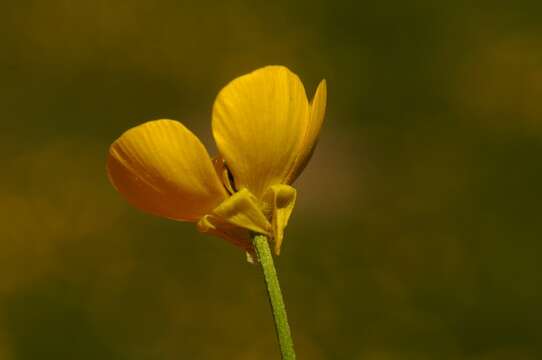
point(282, 328)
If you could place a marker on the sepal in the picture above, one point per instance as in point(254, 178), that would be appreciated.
point(280, 199)
point(237, 236)
point(242, 209)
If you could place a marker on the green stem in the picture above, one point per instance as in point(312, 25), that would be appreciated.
point(282, 328)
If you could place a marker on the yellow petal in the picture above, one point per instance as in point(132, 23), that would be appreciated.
point(314, 125)
point(259, 121)
point(281, 200)
point(242, 209)
point(162, 168)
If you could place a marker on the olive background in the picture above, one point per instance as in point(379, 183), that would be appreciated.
point(417, 232)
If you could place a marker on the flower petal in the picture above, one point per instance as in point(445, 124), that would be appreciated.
point(317, 112)
point(281, 199)
point(162, 168)
point(259, 121)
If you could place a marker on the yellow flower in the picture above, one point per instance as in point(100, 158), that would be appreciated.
point(265, 130)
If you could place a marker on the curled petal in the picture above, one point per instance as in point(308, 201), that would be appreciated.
point(281, 200)
point(162, 168)
point(314, 125)
point(259, 122)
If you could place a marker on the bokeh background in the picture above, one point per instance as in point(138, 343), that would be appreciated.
point(417, 233)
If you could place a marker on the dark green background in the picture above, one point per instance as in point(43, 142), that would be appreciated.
point(417, 233)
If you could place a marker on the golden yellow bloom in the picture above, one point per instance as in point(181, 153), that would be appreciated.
point(265, 130)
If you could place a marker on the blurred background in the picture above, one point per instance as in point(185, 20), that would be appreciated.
point(417, 233)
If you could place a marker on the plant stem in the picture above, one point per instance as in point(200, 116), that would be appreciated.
point(282, 328)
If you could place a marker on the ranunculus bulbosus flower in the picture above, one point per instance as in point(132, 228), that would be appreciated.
point(265, 130)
